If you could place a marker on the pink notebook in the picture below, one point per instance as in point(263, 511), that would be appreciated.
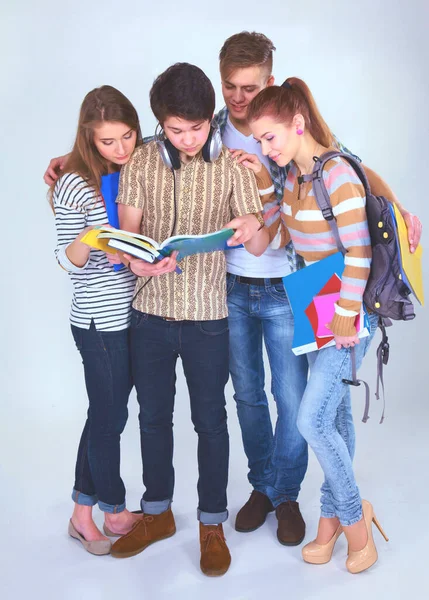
point(325, 308)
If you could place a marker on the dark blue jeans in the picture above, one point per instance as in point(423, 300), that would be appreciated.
point(106, 363)
point(156, 345)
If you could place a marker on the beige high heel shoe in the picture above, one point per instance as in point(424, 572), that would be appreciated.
point(97, 547)
point(319, 554)
point(365, 558)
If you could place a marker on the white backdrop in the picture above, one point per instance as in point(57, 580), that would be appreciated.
point(366, 64)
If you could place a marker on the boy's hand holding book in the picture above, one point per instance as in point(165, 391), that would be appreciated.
point(142, 268)
point(245, 228)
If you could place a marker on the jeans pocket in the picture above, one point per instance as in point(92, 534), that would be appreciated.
point(278, 292)
point(216, 327)
point(230, 282)
point(138, 318)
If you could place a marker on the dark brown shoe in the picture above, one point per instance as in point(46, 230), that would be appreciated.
point(291, 529)
point(215, 556)
point(253, 514)
point(151, 528)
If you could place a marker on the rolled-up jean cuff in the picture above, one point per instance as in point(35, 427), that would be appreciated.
point(84, 499)
point(327, 515)
point(351, 521)
point(207, 518)
point(155, 507)
point(111, 508)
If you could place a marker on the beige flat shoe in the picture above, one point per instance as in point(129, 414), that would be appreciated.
point(320, 554)
point(97, 547)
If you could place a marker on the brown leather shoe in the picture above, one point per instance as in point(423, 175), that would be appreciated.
point(215, 556)
point(151, 528)
point(291, 529)
point(253, 514)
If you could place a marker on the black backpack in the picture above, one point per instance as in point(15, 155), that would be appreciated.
point(385, 293)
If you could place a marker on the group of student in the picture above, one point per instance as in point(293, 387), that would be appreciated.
point(240, 169)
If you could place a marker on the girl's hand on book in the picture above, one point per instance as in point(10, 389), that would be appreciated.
point(251, 161)
point(113, 259)
point(141, 268)
point(414, 227)
point(245, 228)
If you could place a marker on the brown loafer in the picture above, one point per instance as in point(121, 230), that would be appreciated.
point(215, 556)
point(253, 514)
point(291, 528)
point(151, 529)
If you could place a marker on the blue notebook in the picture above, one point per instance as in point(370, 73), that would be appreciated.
point(109, 191)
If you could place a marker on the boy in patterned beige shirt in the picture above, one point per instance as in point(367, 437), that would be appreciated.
point(194, 189)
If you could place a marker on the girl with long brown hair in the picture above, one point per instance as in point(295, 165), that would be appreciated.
point(108, 131)
point(291, 131)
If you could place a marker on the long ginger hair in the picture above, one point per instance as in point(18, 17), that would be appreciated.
point(282, 103)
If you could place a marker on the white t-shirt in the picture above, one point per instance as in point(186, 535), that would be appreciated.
point(273, 263)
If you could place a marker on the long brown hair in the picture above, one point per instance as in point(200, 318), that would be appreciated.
point(283, 103)
point(102, 104)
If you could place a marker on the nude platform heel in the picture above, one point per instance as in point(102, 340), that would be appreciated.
point(365, 558)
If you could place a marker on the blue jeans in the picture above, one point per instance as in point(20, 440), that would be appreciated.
point(325, 420)
point(156, 345)
point(277, 461)
point(106, 363)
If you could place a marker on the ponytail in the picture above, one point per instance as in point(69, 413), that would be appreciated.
point(284, 102)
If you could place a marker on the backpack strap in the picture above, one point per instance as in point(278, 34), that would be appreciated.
point(321, 193)
point(383, 352)
point(356, 382)
point(324, 203)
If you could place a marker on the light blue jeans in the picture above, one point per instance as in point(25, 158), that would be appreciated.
point(261, 313)
point(326, 422)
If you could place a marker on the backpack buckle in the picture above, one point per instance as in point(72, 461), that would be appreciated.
point(385, 352)
point(351, 382)
point(328, 213)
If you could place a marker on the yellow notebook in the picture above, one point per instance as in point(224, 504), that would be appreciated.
point(411, 263)
point(91, 238)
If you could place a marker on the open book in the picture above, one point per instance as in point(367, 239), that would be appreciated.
point(110, 239)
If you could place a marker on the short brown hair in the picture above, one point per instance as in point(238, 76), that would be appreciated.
point(246, 49)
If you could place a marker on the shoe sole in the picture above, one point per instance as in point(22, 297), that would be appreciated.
point(248, 530)
point(135, 552)
point(317, 561)
point(214, 573)
point(297, 543)
point(363, 567)
point(254, 528)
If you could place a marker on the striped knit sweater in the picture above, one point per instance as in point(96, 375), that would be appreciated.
point(302, 220)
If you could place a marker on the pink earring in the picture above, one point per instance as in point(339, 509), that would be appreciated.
point(299, 131)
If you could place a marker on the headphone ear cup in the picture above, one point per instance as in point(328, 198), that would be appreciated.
point(169, 154)
point(206, 147)
point(213, 146)
point(173, 154)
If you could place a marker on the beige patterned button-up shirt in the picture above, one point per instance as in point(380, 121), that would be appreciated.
point(207, 196)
